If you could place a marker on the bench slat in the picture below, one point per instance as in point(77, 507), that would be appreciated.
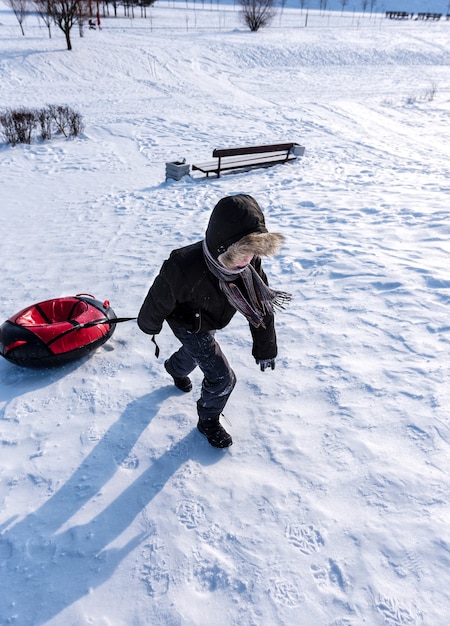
point(228, 152)
point(261, 157)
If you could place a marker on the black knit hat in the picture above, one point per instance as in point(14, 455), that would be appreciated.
point(233, 218)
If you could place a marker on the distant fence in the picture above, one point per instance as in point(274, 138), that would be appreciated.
point(404, 15)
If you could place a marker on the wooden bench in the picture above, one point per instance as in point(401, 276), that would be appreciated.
point(429, 16)
point(398, 15)
point(249, 157)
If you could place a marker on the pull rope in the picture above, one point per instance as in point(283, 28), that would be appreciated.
point(77, 326)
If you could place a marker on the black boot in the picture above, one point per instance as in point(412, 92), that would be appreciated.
point(183, 383)
point(215, 433)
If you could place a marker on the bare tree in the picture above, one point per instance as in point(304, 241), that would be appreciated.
point(43, 10)
point(114, 4)
point(20, 9)
point(82, 12)
point(144, 4)
point(67, 13)
point(323, 5)
point(257, 13)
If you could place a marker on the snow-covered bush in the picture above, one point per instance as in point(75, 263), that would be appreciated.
point(18, 125)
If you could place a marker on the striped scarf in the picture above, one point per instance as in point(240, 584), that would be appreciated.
point(261, 298)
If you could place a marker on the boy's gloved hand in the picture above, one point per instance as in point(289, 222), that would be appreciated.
point(265, 364)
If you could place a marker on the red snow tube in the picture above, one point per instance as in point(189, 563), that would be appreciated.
point(56, 331)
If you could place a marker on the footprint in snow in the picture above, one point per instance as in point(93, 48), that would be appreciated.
point(131, 462)
point(156, 578)
point(190, 513)
point(155, 573)
point(393, 613)
point(306, 538)
point(329, 575)
point(286, 593)
point(211, 574)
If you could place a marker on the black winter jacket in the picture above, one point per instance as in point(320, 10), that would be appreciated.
point(188, 295)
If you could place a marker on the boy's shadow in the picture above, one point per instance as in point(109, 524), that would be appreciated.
point(47, 571)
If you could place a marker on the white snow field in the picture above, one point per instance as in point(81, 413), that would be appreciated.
point(332, 506)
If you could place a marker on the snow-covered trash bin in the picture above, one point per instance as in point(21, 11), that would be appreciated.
point(177, 169)
point(297, 149)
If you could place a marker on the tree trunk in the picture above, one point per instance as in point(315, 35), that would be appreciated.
point(69, 43)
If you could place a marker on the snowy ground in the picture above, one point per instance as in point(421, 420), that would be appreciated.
point(332, 506)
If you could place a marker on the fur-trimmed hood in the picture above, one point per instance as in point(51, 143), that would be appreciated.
point(237, 228)
point(256, 244)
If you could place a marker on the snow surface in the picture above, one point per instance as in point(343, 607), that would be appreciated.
point(332, 506)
